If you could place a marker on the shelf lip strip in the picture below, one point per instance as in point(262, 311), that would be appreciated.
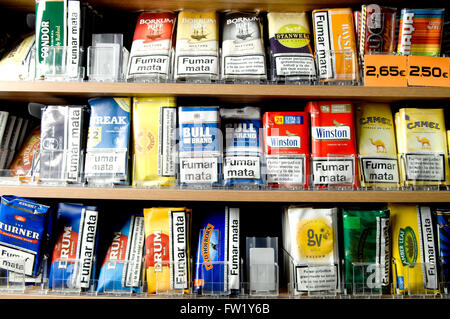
point(131, 193)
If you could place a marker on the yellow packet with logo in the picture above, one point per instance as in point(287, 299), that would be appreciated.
point(414, 256)
point(376, 146)
point(422, 147)
point(154, 141)
point(311, 241)
point(167, 255)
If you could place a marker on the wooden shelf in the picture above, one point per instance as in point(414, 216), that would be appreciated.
point(130, 193)
point(54, 92)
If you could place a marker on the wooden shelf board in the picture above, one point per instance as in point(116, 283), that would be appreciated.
point(130, 193)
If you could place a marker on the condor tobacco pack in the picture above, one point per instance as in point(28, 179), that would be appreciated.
point(197, 46)
point(333, 144)
point(121, 270)
point(63, 136)
point(286, 148)
point(310, 240)
point(422, 147)
point(107, 153)
point(414, 254)
point(167, 249)
point(154, 137)
point(377, 149)
point(74, 252)
point(151, 49)
point(367, 248)
point(200, 146)
point(217, 263)
point(243, 149)
point(23, 235)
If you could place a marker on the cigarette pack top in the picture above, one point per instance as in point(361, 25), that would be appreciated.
point(422, 147)
point(151, 49)
point(167, 242)
point(200, 145)
point(443, 223)
point(243, 146)
point(121, 270)
point(14, 66)
point(23, 235)
point(290, 45)
point(414, 256)
point(376, 146)
point(335, 44)
point(154, 137)
point(73, 262)
point(286, 148)
point(25, 162)
point(243, 53)
point(366, 250)
point(446, 35)
point(333, 144)
point(217, 265)
point(421, 32)
point(197, 46)
point(378, 28)
point(107, 153)
point(310, 239)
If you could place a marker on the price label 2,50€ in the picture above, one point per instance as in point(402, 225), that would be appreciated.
point(385, 70)
point(428, 71)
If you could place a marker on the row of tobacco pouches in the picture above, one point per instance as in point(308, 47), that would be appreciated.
point(331, 144)
point(402, 248)
point(185, 46)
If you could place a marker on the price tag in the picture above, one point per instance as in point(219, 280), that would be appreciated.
point(385, 70)
point(428, 71)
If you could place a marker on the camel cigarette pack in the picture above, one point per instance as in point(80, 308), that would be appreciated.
point(335, 44)
point(151, 48)
point(286, 148)
point(414, 254)
point(167, 255)
point(421, 32)
point(377, 149)
point(243, 149)
point(311, 241)
point(333, 144)
point(422, 147)
point(73, 261)
point(217, 265)
point(366, 240)
point(243, 53)
point(200, 146)
point(442, 218)
point(122, 266)
point(62, 143)
point(197, 46)
point(290, 45)
point(23, 235)
point(107, 153)
point(154, 137)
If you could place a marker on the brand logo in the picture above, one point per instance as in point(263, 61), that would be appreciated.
point(206, 245)
point(428, 124)
point(105, 120)
point(158, 251)
point(20, 218)
point(331, 133)
point(407, 32)
point(375, 120)
point(117, 250)
point(66, 247)
point(315, 238)
point(155, 21)
point(293, 36)
point(407, 246)
point(283, 141)
point(16, 232)
point(241, 20)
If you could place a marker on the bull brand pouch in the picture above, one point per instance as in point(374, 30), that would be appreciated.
point(333, 144)
point(74, 253)
point(414, 256)
point(107, 153)
point(217, 263)
point(122, 266)
point(310, 240)
point(23, 234)
point(243, 147)
point(366, 235)
point(200, 146)
point(377, 149)
point(167, 249)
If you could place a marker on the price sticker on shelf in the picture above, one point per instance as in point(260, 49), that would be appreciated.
point(385, 70)
point(428, 71)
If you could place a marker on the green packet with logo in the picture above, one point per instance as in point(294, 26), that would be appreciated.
point(366, 250)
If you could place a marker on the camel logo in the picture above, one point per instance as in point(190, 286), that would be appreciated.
point(145, 142)
point(425, 143)
point(381, 148)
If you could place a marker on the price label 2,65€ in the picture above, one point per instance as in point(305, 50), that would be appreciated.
point(428, 71)
point(385, 70)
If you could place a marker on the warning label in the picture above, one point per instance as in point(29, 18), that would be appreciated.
point(425, 167)
point(245, 65)
point(316, 278)
point(283, 170)
point(242, 167)
point(106, 162)
point(288, 65)
point(197, 170)
point(333, 171)
point(380, 170)
point(149, 64)
point(197, 65)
